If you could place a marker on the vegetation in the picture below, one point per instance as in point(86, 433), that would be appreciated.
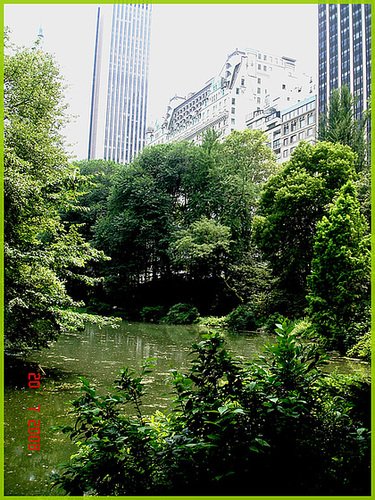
point(43, 255)
point(215, 234)
point(277, 416)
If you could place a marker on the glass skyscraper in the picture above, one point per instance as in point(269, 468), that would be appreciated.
point(120, 83)
point(344, 52)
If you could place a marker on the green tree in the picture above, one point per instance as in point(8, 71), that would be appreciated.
point(41, 253)
point(291, 204)
point(203, 248)
point(339, 125)
point(340, 277)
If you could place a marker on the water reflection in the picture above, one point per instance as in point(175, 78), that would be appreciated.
point(98, 355)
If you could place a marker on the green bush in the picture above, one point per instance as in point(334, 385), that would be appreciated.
point(242, 318)
point(151, 314)
point(214, 322)
point(182, 314)
point(278, 417)
point(362, 349)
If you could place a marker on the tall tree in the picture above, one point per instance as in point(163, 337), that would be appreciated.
point(339, 283)
point(339, 125)
point(291, 204)
point(39, 182)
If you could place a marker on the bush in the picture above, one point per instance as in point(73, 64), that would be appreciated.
point(214, 322)
point(242, 318)
point(152, 313)
point(182, 314)
point(362, 349)
point(276, 417)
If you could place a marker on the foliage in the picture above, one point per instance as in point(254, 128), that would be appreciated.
point(152, 313)
point(182, 314)
point(202, 248)
point(339, 125)
point(275, 417)
point(41, 253)
point(362, 349)
point(242, 318)
point(340, 278)
point(291, 204)
point(213, 322)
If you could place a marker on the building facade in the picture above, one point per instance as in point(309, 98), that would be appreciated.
point(120, 82)
point(286, 128)
point(344, 52)
point(249, 80)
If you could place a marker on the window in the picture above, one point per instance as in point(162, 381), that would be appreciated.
point(285, 153)
point(301, 135)
point(264, 68)
point(283, 86)
point(265, 57)
point(233, 100)
point(302, 122)
point(259, 81)
point(258, 90)
point(232, 121)
point(259, 66)
point(310, 119)
point(292, 149)
point(258, 100)
point(276, 144)
point(286, 141)
point(309, 131)
point(242, 81)
point(293, 126)
point(286, 129)
point(237, 91)
point(233, 111)
point(293, 139)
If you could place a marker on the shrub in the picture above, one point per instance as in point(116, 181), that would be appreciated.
point(151, 314)
point(182, 314)
point(214, 321)
point(242, 318)
point(276, 417)
point(362, 349)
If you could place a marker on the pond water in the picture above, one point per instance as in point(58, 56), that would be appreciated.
point(97, 355)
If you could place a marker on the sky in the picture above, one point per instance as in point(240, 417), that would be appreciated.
point(189, 45)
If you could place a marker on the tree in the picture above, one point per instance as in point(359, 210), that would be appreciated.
point(339, 125)
point(340, 277)
point(243, 164)
point(291, 204)
point(39, 183)
point(202, 248)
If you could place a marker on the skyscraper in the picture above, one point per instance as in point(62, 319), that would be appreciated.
point(120, 83)
point(344, 52)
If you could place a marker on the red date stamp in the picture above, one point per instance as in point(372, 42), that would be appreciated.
point(34, 425)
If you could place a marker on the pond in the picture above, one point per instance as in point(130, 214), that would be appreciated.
point(97, 355)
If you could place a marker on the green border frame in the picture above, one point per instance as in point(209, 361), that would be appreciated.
point(2, 254)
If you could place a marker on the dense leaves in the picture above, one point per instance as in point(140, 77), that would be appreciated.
point(340, 279)
point(292, 203)
point(41, 253)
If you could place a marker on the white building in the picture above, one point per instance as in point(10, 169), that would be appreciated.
point(286, 128)
point(249, 80)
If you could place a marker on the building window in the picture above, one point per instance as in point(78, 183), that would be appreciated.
point(258, 100)
point(302, 122)
point(292, 149)
point(233, 111)
point(293, 139)
point(232, 121)
point(293, 126)
point(286, 141)
point(259, 81)
point(264, 68)
point(310, 119)
point(259, 66)
point(258, 90)
point(309, 131)
point(233, 100)
point(285, 153)
point(242, 81)
point(301, 135)
point(237, 91)
point(286, 129)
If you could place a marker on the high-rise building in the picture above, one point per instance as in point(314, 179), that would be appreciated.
point(120, 83)
point(250, 80)
point(344, 52)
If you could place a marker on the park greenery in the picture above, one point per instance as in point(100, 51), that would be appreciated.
point(217, 234)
